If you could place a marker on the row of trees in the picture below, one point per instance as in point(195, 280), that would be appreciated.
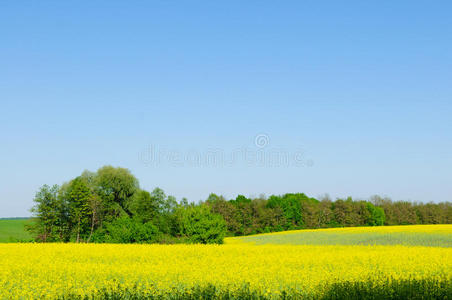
point(109, 206)
point(297, 211)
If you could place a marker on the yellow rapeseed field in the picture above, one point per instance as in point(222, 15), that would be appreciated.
point(57, 270)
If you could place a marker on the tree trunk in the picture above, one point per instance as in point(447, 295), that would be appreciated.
point(45, 233)
point(92, 228)
point(78, 231)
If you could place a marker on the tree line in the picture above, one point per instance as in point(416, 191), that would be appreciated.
point(245, 216)
point(109, 206)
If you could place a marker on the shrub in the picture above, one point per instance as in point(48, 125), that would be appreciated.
point(200, 225)
point(127, 230)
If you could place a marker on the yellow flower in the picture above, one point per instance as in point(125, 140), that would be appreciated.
point(56, 270)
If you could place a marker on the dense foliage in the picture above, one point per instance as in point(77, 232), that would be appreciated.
point(198, 223)
point(297, 211)
point(109, 206)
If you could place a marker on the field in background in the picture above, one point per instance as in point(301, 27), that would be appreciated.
point(410, 235)
point(13, 230)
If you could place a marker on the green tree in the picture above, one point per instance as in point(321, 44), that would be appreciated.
point(159, 195)
point(343, 212)
point(213, 198)
point(200, 225)
point(116, 187)
point(165, 218)
point(228, 211)
point(377, 215)
point(96, 204)
point(47, 211)
point(144, 205)
point(292, 206)
point(240, 199)
point(79, 197)
point(325, 213)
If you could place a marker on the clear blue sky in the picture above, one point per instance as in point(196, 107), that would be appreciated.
point(363, 88)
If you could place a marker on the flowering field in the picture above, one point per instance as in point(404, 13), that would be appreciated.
point(233, 270)
point(410, 235)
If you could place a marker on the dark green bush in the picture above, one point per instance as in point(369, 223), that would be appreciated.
point(127, 230)
point(200, 225)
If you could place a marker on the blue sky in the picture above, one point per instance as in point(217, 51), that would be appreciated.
point(360, 92)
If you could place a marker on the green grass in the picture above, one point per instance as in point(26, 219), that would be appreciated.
point(361, 237)
point(13, 230)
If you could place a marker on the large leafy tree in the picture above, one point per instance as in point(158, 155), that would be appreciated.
point(79, 201)
point(116, 187)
